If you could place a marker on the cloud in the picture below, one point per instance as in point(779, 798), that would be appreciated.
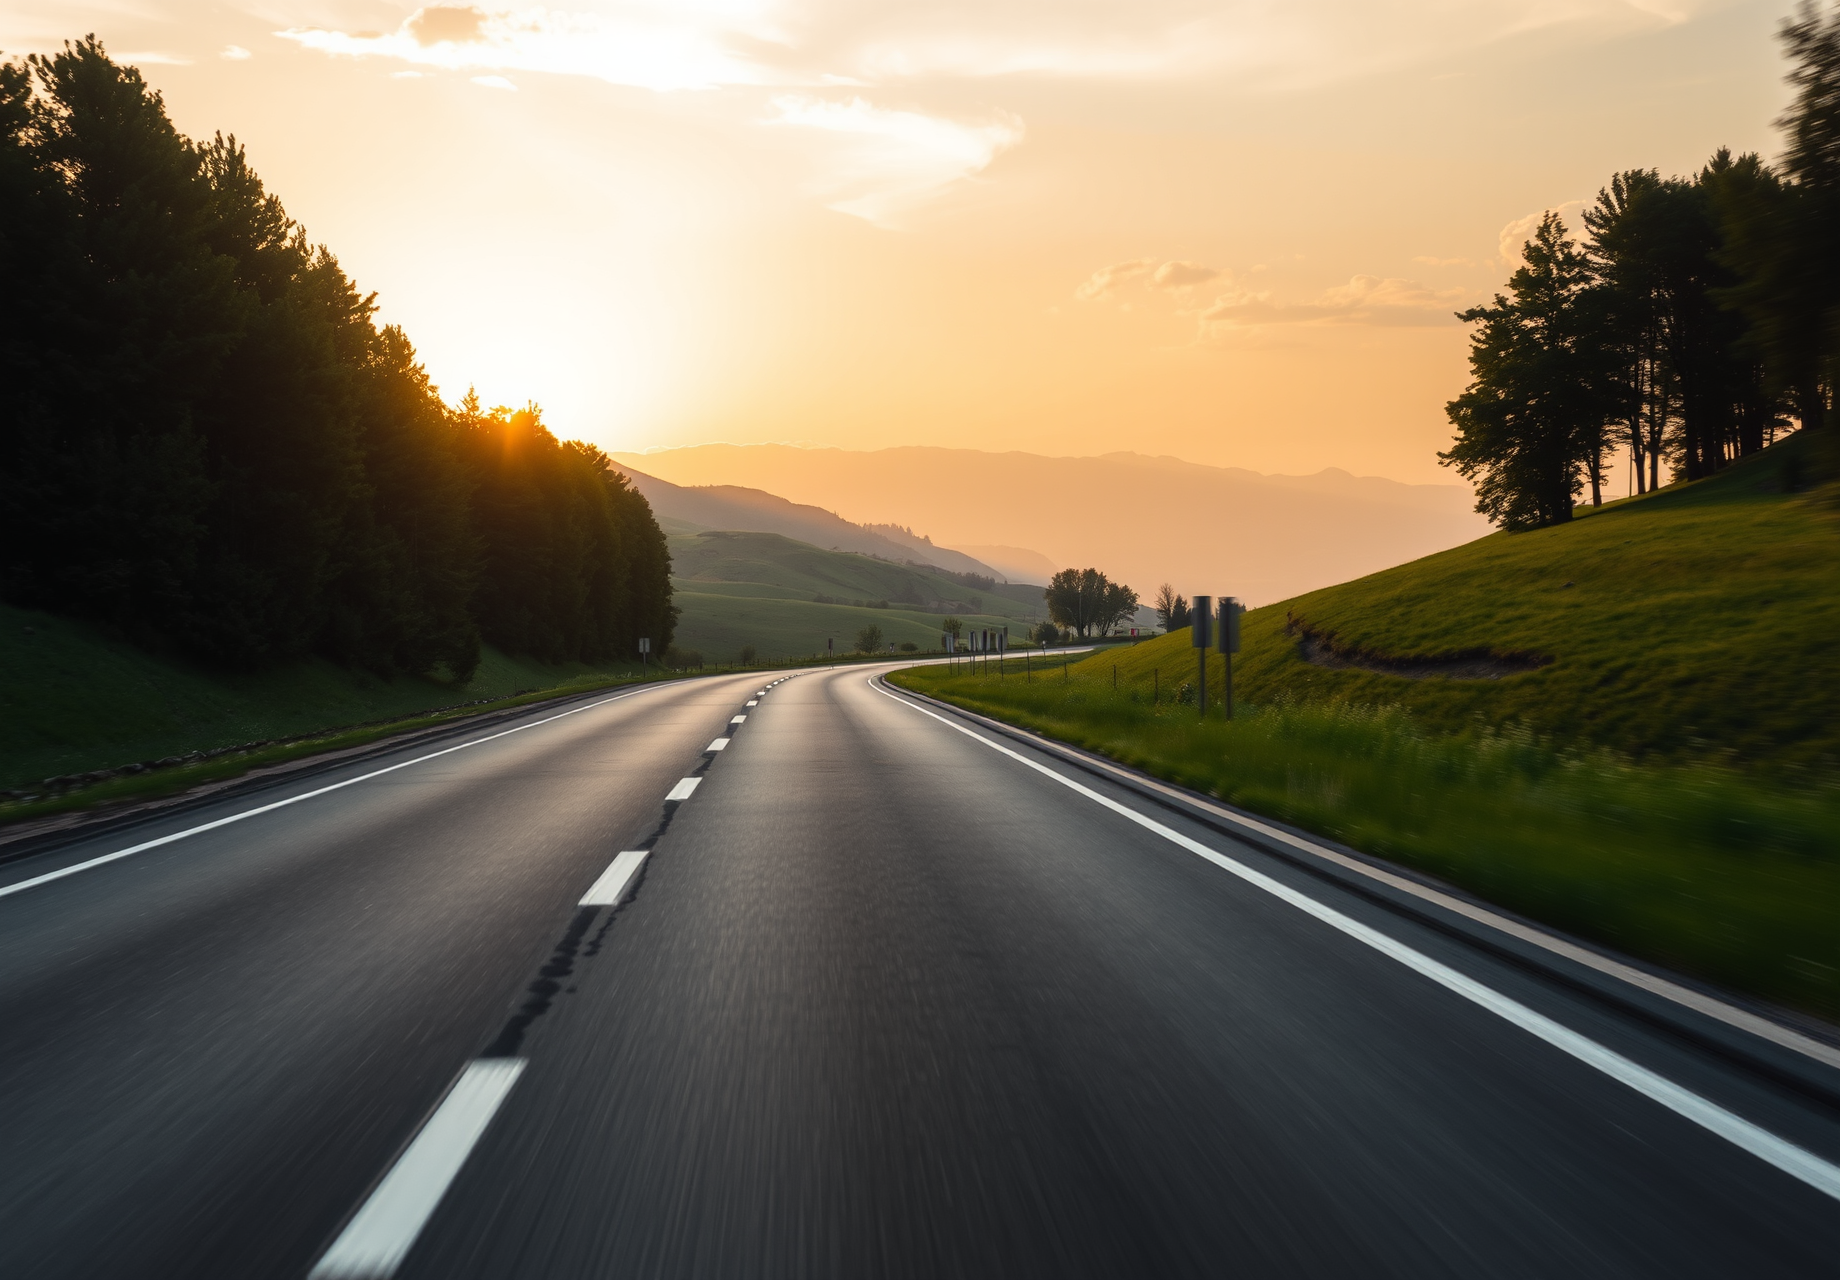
point(1183, 275)
point(692, 44)
point(1106, 281)
point(1255, 41)
point(443, 24)
point(234, 53)
point(880, 162)
point(1375, 301)
point(1517, 233)
point(649, 44)
point(494, 82)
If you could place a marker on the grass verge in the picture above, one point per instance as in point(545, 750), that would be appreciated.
point(1705, 869)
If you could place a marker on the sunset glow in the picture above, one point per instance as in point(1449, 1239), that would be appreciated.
point(1231, 232)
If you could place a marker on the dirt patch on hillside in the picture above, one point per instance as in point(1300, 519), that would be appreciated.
point(1322, 650)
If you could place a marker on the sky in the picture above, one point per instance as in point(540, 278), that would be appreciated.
point(1234, 232)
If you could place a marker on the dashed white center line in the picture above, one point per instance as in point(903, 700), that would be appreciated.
point(720, 744)
point(753, 702)
point(739, 720)
point(377, 1239)
point(682, 790)
point(611, 887)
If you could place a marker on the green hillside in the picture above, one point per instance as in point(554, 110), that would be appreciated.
point(72, 699)
point(786, 598)
point(1698, 622)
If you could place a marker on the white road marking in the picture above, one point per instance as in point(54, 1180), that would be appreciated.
point(720, 744)
point(377, 1239)
point(1697, 1001)
point(682, 790)
point(739, 720)
point(22, 885)
point(611, 887)
point(753, 702)
point(1796, 1161)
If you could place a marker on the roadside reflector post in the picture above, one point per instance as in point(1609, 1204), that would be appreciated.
point(1230, 609)
point(1200, 634)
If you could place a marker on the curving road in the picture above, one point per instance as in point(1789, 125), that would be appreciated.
point(886, 993)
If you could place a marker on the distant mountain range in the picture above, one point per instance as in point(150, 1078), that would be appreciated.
point(1142, 519)
point(689, 509)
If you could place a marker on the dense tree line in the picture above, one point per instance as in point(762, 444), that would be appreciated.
point(1697, 320)
point(207, 440)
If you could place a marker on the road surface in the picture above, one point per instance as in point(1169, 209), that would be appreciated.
point(884, 993)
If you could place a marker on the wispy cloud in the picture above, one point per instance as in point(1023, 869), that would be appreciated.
point(1387, 302)
point(1106, 282)
point(881, 161)
point(234, 53)
point(661, 46)
point(691, 44)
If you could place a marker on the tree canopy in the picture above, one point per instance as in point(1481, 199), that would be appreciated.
point(1699, 319)
point(1086, 602)
point(210, 443)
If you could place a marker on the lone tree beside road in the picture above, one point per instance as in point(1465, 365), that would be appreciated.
point(1085, 601)
point(869, 639)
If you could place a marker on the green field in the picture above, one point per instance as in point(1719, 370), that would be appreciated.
point(761, 589)
point(1664, 783)
point(72, 699)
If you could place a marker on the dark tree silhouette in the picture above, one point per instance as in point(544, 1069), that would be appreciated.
point(209, 442)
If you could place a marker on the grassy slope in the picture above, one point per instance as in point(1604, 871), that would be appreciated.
point(73, 700)
point(738, 589)
point(1700, 622)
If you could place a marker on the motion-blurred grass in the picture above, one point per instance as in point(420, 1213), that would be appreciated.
point(1708, 870)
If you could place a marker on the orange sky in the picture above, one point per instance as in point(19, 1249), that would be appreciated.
point(1232, 232)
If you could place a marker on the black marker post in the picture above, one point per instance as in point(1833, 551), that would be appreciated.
point(1229, 640)
point(1201, 619)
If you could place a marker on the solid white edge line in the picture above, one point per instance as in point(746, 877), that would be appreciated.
point(381, 1233)
point(22, 885)
point(720, 744)
point(611, 887)
point(1686, 997)
point(683, 789)
point(1797, 1162)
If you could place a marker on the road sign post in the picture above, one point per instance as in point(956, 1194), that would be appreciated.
point(1201, 627)
point(1228, 634)
point(645, 648)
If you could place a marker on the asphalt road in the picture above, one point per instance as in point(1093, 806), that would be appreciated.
point(881, 1000)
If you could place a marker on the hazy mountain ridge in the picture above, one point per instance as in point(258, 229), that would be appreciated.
point(1145, 519)
point(751, 510)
